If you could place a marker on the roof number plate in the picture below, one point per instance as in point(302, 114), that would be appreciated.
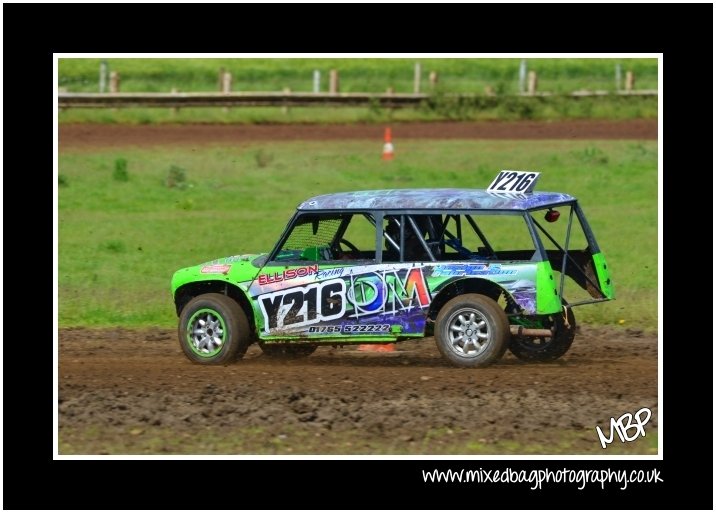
point(514, 181)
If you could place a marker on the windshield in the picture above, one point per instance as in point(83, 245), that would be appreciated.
point(325, 237)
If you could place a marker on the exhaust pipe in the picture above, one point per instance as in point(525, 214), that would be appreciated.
point(521, 331)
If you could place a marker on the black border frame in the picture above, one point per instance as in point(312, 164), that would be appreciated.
point(32, 480)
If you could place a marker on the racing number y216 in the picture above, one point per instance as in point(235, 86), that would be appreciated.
point(303, 306)
point(520, 181)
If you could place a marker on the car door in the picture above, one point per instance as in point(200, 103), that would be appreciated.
point(319, 281)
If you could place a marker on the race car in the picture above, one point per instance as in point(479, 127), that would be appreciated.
point(477, 269)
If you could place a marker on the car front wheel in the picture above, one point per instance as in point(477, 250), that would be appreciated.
point(471, 330)
point(213, 329)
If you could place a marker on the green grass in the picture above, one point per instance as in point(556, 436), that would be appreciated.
point(480, 108)
point(120, 241)
point(291, 441)
point(356, 75)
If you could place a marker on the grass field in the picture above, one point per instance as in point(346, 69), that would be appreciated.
point(356, 75)
point(123, 231)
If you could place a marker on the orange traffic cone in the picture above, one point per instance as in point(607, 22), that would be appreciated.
point(388, 146)
point(378, 348)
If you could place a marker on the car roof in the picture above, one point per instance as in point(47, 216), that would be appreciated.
point(433, 199)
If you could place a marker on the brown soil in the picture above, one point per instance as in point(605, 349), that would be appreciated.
point(118, 380)
point(90, 136)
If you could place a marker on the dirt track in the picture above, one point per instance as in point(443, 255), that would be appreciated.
point(85, 136)
point(127, 381)
point(118, 386)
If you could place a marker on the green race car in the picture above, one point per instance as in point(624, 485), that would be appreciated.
point(477, 269)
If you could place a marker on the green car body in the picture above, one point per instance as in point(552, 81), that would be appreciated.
point(421, 263)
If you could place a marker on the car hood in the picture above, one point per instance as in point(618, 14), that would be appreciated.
point(239, 270)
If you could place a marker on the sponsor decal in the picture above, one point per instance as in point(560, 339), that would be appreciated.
point(398, 293)
point(303, 306)
point(323, 274)
point(386, 292)
point(288, 274)
point(215, 269)
point(324, 329)
point(366, 328)
point(471, 270)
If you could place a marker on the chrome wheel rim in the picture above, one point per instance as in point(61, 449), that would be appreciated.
point(468, 332)
point(206, 332)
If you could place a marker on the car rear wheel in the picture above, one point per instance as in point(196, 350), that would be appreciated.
point(213, 329)
point(547, 349)
point(287, 352)
point(471, 330)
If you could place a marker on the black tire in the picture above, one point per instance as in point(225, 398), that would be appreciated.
point(225, 340)
point(287, 352)
point(482, 319)
point(546, 349)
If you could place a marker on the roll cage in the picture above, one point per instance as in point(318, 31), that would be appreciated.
point(433, 231)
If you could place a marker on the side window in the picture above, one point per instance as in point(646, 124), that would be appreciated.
point(498, 237)
point(486, 237)
point(421, 237)
point(357, 242)
point(327, 237)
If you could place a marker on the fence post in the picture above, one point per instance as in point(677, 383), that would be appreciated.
point(333, 86)
point(629, 85)
point(523, 75)
point(390, 90)
point(221, 79)
point(226, 86)
point(532, 83)
point(416, 78)
point(102, 76)
point(618, 76)
point(114, 82)
point(226, 82)
point(316, 81)
point(433, 79)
